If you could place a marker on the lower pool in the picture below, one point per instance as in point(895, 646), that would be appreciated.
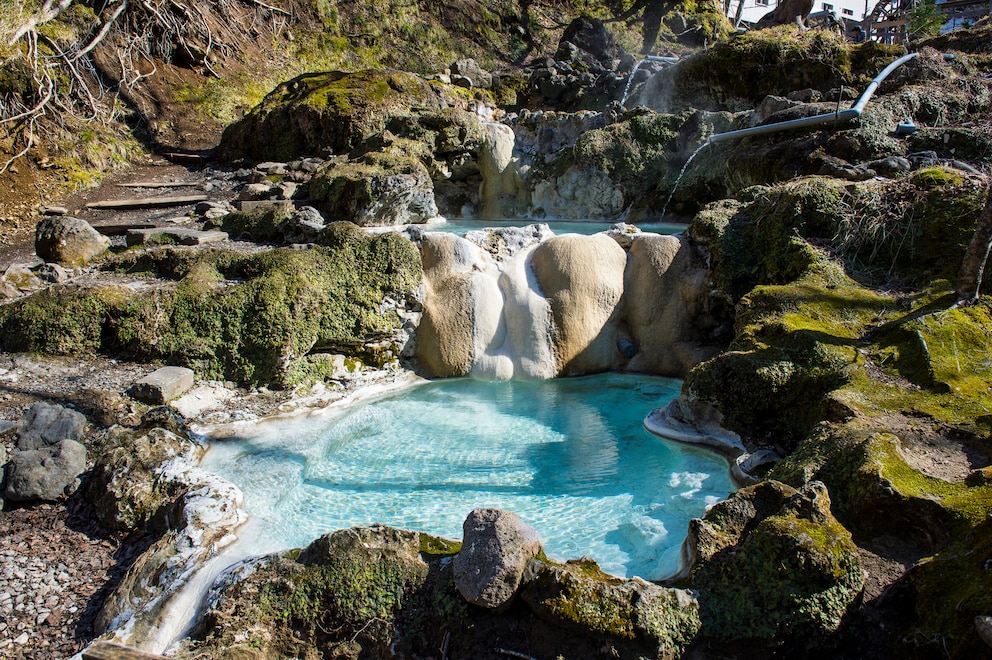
point(569, 456)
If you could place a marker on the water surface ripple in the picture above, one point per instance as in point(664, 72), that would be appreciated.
point(569, 456)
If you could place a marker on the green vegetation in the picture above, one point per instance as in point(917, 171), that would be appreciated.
point(250, 319)
point(802, 567)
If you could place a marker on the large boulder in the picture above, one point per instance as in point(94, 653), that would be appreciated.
point(49, 457)
point(46, 424)
point(332, 111)
point(582, 278)
point(495, 550)
point(68, 241)
point(801, 565)
point(376, 190)
point(48, 473)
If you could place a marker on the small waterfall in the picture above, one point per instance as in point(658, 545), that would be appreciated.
point(630, 81)
point(679, 178)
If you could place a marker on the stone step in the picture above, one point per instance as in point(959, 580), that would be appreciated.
point(163, 385)
point(178, 235)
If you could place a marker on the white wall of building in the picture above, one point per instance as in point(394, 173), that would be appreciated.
point(850, 10)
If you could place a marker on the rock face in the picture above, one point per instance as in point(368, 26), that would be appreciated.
point(496, 547)
point(537, 306)
point(802, 565)
point(502, 193)
point(68, 241)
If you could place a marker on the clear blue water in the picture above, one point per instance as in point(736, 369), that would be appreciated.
point(569, 456)
point(587, 227)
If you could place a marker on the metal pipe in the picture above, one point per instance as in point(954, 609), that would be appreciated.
point(660, 58)
point(831, 117)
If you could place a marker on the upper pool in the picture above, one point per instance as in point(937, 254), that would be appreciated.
point(569, 456)
point(557, 226)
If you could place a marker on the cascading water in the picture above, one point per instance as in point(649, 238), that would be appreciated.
point(637, 65)
point(630, 81)
point(678, 179)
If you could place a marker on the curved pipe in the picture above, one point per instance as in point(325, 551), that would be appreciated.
point(831, 117)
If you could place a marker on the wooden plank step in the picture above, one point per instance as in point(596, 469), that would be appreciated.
point(147, 202)
point(111, 651)
point(121, 228)
point(159, 184)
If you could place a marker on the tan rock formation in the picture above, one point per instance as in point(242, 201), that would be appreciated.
point(445, 337)
point(502, 193)
point(582, 277)
point(665, 294)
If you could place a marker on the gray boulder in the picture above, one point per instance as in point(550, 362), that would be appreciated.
point(469, 68)
point(68, 241)
point(495, 550)
point(46, 425)
point(45, 474)
point(303, 226)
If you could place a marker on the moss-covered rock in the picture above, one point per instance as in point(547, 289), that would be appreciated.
point(379, 189)
point(354, 593)
point(801, 567)
point(335, 111)
point(230, 315)
point(577, 595)
point(737, 73)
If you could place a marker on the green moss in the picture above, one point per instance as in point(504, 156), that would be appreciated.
point(247, 318)
point(801, 564)
point(258, 224)
point(951, 589)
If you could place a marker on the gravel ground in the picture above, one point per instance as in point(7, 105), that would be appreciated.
point(56, 567)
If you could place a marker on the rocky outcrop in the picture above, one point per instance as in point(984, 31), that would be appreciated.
point(147, 480)
point(335, 111)
point(379, 592)
point(376, 190)
point(564, 305)
point(802, 565)
point(582, 279)
point(496, 546)
point(667, 286)
point(68, 241)
point(49, 457)
point(577, 596)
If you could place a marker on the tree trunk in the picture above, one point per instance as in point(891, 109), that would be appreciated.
point(973, 266)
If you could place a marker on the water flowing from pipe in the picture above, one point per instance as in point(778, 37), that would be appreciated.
point(630, 80)
point(679, 178)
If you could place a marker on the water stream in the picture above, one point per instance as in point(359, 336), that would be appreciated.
point(630, 81)
point(678, 180)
